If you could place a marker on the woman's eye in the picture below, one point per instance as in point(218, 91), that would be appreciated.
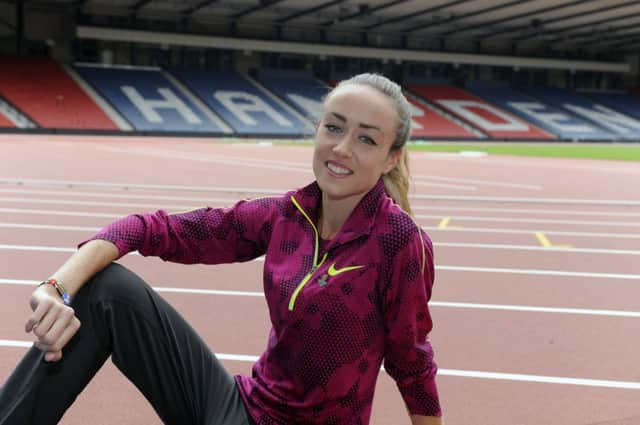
point(367, 140)
point(332, 128)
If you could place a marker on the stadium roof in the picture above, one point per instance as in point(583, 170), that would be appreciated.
point(585, 29)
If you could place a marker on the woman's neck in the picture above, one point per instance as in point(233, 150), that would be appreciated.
point(333, 214)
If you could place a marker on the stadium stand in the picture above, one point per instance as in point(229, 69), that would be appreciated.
point(563, 123)
point(248, 108)
point(150, 101)
point(300, 89)
point(431, 123)
point(621, 102)
point(619, 124)
point(42, 90)
point(479, 113)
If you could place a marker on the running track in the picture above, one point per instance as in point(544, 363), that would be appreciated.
point(536, 300)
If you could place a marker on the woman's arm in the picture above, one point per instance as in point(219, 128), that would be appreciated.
point(52, 322)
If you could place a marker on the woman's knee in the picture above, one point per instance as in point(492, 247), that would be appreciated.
point(116, 282)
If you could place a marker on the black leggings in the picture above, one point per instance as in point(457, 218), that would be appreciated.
point(149, 342)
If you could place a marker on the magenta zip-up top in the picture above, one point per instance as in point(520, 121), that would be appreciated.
point(339, 309)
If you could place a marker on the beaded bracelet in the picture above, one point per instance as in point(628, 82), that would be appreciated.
point(60, 289)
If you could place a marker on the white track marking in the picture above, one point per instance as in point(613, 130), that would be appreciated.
point(433, 229)
point(480, 182)
point(508, 247)
point(543, 379)
point(203, 201)
point(533, 231)
point(432, 303)
point(531, 220)
point(500, 199)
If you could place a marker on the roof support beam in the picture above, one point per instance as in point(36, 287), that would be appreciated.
point(262, 5)
point(364, 11)
point(309, 11)
point(578, 15)
point(466, 15)
point(524, 15)
point(193, 9)
point(179, 39)
point(416, 13)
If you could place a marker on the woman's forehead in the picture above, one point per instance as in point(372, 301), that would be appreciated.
point(359, 99)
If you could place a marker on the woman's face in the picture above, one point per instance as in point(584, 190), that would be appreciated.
point(353, 141)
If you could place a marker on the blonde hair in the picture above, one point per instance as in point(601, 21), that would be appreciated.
point(396, 181)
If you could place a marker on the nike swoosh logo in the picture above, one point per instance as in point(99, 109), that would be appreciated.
point(333, 271)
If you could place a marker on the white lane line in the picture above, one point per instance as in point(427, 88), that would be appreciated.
point(44, 248)
point(432, 303)
point(262, 191)
point(93, 203)
point(61, 213)
point(531, 232)
point(533, 309)
point(429, 228)
point(125, 186)
point(538, 248)
point(436, 244)
point(602, 383)
point(47, 227)
point(178, 208)
point(533, 220)
point(61, 193)
point(507, 199)
point(217, 159)
point(483, 182)
point(539, 272)
point(448, 208)
point(444, 185)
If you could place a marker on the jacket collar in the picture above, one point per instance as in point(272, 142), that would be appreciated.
point(360, 221)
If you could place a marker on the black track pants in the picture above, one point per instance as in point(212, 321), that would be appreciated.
point(149, 342)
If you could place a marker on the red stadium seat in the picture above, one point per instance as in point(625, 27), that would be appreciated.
point(42, 90)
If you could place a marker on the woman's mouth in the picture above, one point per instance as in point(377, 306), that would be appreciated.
point(338, 169)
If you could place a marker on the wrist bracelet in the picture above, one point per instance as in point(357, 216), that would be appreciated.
point(60, 289)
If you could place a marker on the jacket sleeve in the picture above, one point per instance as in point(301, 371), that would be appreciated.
point(409, 357)
point(206, 235)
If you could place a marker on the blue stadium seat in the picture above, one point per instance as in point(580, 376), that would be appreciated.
point(149, 101)
point(566, 125)
point(620, 125)
point(246, 107)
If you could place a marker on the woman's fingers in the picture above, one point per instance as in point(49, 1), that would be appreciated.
point(58, 339)
point(38, 313)
point(55, 332)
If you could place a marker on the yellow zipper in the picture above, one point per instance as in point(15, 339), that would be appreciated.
point(315, 266)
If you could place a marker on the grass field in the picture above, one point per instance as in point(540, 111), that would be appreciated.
point(617, 152)
point(613, 151)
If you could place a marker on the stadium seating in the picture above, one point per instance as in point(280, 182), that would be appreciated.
point(42, 90)
point(625, 103)
point(149, 100)
point(246, 107)
point(484, 116)
point(555, 120)
point(300, 89)
point(620, 125)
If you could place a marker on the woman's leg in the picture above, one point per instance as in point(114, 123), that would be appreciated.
point(149, 342)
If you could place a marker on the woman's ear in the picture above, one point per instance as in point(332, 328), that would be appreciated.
point(392, 160)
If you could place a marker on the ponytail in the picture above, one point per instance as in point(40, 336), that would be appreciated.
point(396, 182)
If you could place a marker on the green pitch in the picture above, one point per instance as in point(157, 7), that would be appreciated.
point(620, 152)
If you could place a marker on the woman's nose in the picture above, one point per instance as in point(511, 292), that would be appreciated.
point(343, 146)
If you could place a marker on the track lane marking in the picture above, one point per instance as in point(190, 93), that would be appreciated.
point(502, 376)
point(442, 304)
point(430, 228)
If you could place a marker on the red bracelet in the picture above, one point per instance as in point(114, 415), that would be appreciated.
point(60, 289)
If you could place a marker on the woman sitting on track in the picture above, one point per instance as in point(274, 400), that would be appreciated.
point(347, 278)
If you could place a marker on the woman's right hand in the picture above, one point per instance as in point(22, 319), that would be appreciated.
point(52, 322)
